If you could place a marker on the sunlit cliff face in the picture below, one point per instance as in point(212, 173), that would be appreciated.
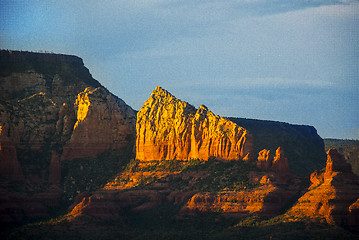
point(103, 123)
point(83, 104)
point(168, 128)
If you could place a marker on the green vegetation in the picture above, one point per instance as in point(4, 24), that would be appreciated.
point(255, 227)
point(222, 175)
point(212, 175)
point(91, 173)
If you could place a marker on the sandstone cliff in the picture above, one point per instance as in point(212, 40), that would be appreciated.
point(104, 122)
point(332, 195)
point(60, 77)
point(266, 200)
point(50, 103)
point(168, 128)
point(52, 111)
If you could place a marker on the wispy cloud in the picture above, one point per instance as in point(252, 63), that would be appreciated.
point(272, 83)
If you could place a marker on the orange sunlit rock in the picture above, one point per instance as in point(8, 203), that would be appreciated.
point(266, 199)
point(333, 194)
point(264, 160)
point(280, 162)
point(353, 221)
point(316, 178)
point(335, 163)
point(129, 179)
point(168, 128)
point(103, 122)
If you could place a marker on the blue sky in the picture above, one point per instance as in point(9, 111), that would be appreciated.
point(292, 61)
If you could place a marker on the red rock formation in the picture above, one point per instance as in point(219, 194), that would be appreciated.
point(336, 163)
point(102, 206)
point(168, 128)
point(266, 200)
point(280, 162)
point(353, 218)
point(332, 195)
point(316, 178)
point(27, 126)
point(108, 204)
point(103, 123)
point(39, 121)
point(264, 160)
point(65, 123)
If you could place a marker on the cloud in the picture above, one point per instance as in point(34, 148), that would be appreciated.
point(245, 8)
point(270, 83)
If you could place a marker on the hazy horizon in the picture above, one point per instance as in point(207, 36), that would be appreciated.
point(294, 62)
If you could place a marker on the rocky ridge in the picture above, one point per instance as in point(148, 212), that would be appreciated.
point(168, 128)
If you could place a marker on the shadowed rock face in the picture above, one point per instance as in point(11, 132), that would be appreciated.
point(168, 128)
point(278, 164)
point(60, 77)
point(336, 163)
point(348, 148)
point(302, 145)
